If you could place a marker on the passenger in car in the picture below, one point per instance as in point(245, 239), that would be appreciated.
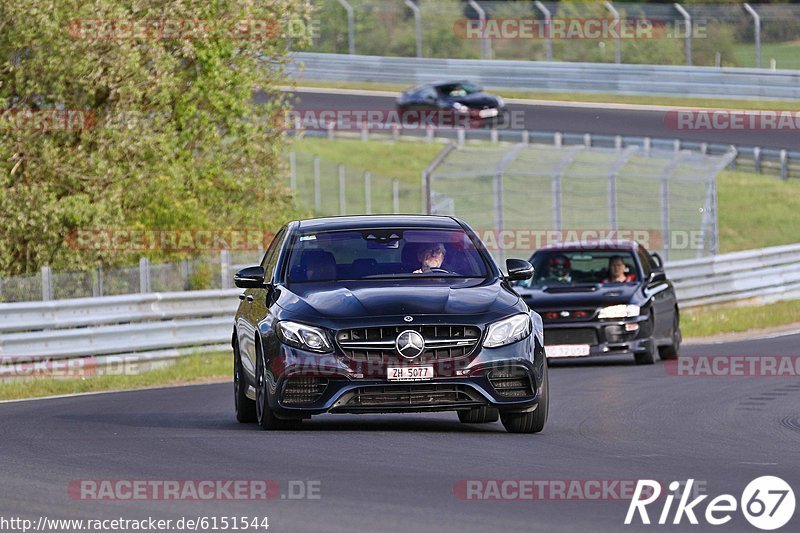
point(618, 271)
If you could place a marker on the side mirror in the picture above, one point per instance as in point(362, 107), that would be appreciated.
point(251, 278)
point(518, 269)
point(657, 259)
point(657, 276)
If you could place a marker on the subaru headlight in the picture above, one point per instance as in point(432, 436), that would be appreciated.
point(303, 337)
point(619, 311)
point(508, 330)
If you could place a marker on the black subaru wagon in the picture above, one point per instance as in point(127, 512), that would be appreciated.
point(378, 314)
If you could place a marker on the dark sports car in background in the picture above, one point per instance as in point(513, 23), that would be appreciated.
point(464, 101)
point(588, 311)
point(370, 314)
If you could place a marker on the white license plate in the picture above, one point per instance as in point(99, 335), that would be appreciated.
point(409, 373)
point(567, 350)
point(486, 113)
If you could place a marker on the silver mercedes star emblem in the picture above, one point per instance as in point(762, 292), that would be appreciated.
point(408, 318)
point(410, 344)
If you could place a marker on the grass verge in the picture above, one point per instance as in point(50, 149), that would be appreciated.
point(598, 98)
point(717, 320)
point(196, 368)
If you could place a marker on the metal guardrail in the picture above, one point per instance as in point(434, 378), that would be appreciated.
point(149, 327)
point(698, 82)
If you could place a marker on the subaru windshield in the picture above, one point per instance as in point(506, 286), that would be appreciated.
point(384, 253)
point(580, 267)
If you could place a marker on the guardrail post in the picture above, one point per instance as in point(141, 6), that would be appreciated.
point(784, 157)
point(144, 275)
point(676, 144)
point(428, 134)
point(587, 140)
point(617, 39)
point(417, 24)
point(395, 133)
point(735, 157)
point(351, 27)
point(368, 192)
point(688, 43)
point(224, 268)
point(647, 143)
point(704, 148)
point(331, 130)
point(618, 142)
point(548, 24)
point(186, 270)
point(317, 188)
point(757, 30)
point(292, 170)
point(47, 283)
point(396, 196)
point(493, 135)
point(365, 132)
point(342, 191)
point(558, 139)
point(757, 159)
point(460, 136)
point(526, 136)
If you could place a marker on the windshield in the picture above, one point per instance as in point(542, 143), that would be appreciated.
point(571, 267)
point(384, 253)
point(458, 89)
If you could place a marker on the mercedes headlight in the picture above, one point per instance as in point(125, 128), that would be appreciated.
point(461, 108)
point(508, 330)
point(619, 311)
point(303, 337)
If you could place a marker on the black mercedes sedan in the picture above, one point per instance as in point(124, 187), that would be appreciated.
point(379, 314)
point(464, 102)
point(599, 299)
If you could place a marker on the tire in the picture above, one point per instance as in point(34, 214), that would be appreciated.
point(530, 422)
point(245, 408)
point(264, 415)
point(648, 357)
point(670, 351)
point(479, 415)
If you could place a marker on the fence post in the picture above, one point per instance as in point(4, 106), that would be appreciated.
point(317, 191)
point(417, 24)
point(757, 159)
point(757, 29)
point(144, 275)
point(618, 41)
point(688, 43)
point(47, 283)
point(396, 196)
point(548, 20)
point(784, 164)
point(351, 27)
point(368, 192)
point(486, 44)
point(342, 191)
point(224, 267)
point(98, 287)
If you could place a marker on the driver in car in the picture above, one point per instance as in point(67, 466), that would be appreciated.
point(431, 258)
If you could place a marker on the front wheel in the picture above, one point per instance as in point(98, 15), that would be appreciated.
point(530, 422)
point(245, 407)
point(670, 351)
point(264, 414)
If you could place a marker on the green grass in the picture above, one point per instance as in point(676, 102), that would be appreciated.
point(724, 103)
point(716, 320)
point(787, 55)
point(188, 369)
point(756, 211)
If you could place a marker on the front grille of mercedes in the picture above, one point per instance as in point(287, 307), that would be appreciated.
point(400, 396)
point(301, 389)
point(510, 382)
point(442, 343)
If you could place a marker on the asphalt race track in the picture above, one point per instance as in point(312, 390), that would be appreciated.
point(609, 420)
point(552, 118)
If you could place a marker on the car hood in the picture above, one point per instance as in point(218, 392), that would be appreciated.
point(559, 297)
point(476, 100)
point(367, 298)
